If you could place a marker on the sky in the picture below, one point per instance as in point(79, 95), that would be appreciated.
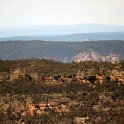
point(60, 12)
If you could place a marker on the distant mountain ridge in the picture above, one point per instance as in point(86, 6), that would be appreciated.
point(71, 37)
point(62, 51)
point(58, 29)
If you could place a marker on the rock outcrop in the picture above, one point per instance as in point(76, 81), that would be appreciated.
point(90, 55)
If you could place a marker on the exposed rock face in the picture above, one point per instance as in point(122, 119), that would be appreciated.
point(113, 58)
point(16, 74)
point(80, 120)
point(90, 55)
point(117, 75)
point(87, 55)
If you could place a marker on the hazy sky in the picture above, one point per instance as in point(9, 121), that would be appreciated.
point(47, 12)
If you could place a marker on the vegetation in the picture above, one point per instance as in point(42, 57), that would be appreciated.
point(57, 50)
point(71, 92)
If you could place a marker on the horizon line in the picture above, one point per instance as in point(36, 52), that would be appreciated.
point(47, 25)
